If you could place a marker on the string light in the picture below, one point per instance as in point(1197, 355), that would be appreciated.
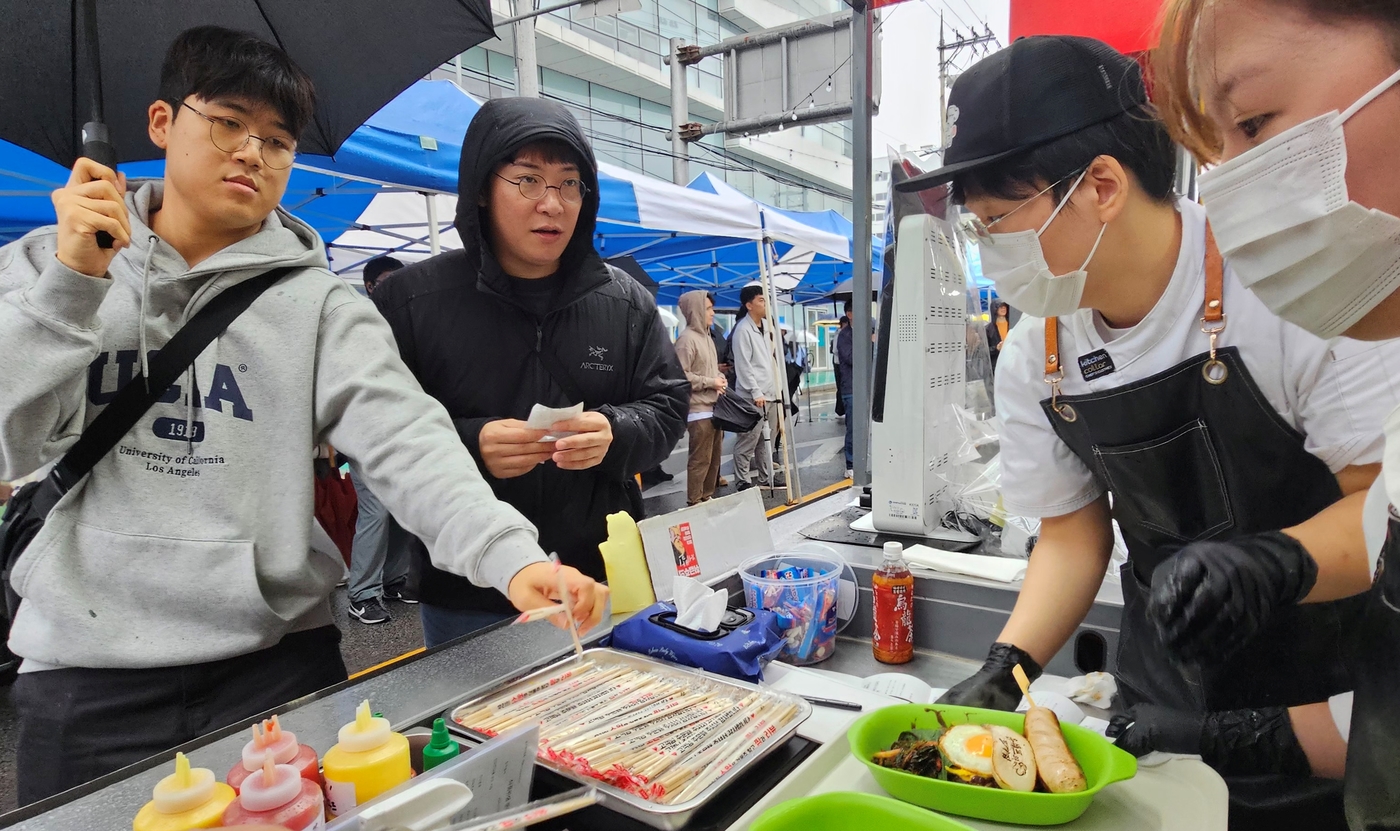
point(828, 84)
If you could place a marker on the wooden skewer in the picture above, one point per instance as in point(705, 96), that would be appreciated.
point(568, 602)
point(1023, 682)
point(541, 613)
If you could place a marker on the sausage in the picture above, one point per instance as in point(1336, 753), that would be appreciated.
point(1058, 770)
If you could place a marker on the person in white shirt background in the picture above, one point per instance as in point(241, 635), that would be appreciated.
point(1298, 104)
point(1156, 378)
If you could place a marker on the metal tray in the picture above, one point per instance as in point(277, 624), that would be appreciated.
point(665, 817)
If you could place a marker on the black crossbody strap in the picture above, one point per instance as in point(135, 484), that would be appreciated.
point(134, 399)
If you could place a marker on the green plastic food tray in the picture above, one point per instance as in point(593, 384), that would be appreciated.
point(846, 811)
point(1103, 764)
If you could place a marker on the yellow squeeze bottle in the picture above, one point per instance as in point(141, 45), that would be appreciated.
point(187, 798)
point(368, 760)
point(629, 581)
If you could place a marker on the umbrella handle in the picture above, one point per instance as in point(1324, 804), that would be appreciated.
point(98, 147)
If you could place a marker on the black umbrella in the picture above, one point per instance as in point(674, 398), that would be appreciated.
point(359, 53)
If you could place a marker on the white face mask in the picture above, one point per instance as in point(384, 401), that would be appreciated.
point(1015, 262)
point(1283, 220)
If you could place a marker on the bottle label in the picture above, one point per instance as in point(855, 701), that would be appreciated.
point(894, 618)
point(340, 797)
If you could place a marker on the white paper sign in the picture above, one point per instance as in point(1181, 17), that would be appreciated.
point(704, 541)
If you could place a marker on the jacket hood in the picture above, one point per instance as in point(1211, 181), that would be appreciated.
point(692, 305)
point(502, 126)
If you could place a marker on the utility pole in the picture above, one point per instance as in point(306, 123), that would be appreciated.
point(948, 53)
point(862, 134)
point(527, 73)
point(680, 114)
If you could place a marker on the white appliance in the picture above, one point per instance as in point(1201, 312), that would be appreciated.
point(914, 444)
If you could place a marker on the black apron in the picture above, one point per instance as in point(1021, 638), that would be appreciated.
point(1186, 460)
point(1373, 752)
point(1194, 453)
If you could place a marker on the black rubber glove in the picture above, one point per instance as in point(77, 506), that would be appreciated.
point(1211, 597)
point(1233, 742)
point(994, 687)
point(1147, 727)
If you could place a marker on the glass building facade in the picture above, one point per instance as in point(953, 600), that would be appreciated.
point(630, 131)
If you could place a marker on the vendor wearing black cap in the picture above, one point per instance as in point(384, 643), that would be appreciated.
point(1151, 374)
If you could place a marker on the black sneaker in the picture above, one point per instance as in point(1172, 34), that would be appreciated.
point(401, 593)
point(370, 611)
point(743, 485)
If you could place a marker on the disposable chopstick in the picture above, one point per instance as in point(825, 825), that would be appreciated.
point(568, 602)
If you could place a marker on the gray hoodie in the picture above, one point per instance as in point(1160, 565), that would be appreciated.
point(191, 541)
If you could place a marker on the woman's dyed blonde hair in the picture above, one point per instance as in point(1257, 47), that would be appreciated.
point(1175, 61)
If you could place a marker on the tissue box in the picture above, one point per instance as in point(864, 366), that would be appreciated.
point(746, 641)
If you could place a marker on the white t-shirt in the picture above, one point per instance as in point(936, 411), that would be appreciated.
point(1335, 393)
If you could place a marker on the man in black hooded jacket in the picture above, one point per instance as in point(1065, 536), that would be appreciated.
point(527, 312)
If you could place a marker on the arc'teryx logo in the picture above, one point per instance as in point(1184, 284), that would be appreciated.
point(223, 387)
point(597, 353)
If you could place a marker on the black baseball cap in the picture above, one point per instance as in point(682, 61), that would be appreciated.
point(1032, 92)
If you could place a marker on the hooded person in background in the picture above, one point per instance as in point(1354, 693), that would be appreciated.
point(173, 590)
point(696, 350)
point(528, 313)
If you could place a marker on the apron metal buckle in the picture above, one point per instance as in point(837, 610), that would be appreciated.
point(1064, 411)
point(1215, 370)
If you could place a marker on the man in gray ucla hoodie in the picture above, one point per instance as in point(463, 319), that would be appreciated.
point(174, 590)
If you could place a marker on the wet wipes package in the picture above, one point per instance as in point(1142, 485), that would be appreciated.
point(744, 643)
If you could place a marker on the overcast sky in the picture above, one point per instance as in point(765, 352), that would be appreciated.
point(909, 103)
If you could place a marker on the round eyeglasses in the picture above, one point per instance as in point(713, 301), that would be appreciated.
point(231, 135)
point(534, 187)
point(982, 232)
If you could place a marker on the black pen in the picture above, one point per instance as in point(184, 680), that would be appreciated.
point(833, 703)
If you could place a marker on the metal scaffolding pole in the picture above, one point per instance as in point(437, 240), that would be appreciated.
point(862, 348)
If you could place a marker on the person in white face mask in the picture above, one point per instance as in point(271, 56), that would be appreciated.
point(1158, 392)
point(1298, 105)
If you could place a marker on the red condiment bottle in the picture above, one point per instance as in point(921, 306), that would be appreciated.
point(278, 795)
point(893, 585)
point(270, 740)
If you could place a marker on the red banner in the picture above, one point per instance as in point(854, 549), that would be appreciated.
point(1127, 25)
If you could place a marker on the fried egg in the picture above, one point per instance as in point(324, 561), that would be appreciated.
point(969, 746)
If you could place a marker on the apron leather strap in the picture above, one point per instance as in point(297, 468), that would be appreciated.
point(1214, 309)
point(1212, 318)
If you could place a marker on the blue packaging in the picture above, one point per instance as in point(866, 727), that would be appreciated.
point(745, 642)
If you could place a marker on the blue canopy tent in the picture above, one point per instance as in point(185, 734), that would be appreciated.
point(389, 189)
point(329, 204)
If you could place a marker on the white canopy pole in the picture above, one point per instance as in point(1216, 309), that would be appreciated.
point(775, 343)
point(434, 244)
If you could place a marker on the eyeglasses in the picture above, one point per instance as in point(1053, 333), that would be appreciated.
point(231, 135)
point(534, 187)
point(982, 232)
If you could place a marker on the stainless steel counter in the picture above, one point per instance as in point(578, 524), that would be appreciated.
point(956, 619)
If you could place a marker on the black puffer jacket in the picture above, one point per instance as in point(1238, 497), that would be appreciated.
point(478, 350)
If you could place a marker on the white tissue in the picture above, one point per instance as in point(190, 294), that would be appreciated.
point(698, 606)
point(1096, 689)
